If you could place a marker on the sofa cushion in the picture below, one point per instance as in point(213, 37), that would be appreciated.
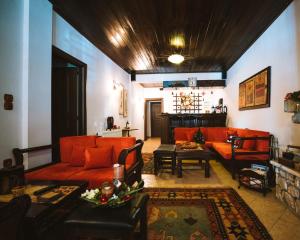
point(67, 143)
point(95, 177)
point(58, 171)
point(224, 149)
point(216, 134)
point(77, 156)
point(119, 143)
point(258, 157)
point(184, 134)
point(98, 157)
point(249, 144)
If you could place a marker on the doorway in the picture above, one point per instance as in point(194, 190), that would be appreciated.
point(153, 109)
point(68, 97)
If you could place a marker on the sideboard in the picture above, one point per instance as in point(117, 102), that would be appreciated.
point(170, 121)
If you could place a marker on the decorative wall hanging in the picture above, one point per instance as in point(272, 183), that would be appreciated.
point(125, 103)
point(121, 101)
point(187, 102)
point(254, 92)
point(8, 101)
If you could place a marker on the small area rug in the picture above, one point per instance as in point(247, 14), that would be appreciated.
point(192, 214)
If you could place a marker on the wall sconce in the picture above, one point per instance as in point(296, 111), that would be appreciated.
point(116, 84)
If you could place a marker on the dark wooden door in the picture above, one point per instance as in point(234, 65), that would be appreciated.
point(68, 99)
point(155, 109)
point(65, 102)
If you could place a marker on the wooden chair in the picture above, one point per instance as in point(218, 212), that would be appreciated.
point(12, 218)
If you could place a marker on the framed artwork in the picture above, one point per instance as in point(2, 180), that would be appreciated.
point(121, 101)
point(242, 95)
point(254, 92)
point(249, 93)
point(125, 103)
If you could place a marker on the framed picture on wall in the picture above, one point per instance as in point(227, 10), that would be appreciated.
point(242, 95)
point(249, 93)
point(254, 92)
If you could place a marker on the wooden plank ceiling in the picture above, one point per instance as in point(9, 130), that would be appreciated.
point(137, 34)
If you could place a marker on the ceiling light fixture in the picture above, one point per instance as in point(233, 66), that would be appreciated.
point(177, 41)
point(176, 58)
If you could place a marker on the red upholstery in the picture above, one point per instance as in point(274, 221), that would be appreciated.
point(70, 145)
point(216, 137)
point(67, 143)
point(77, 156)
point(216, 134)
point(98, 157)
point(94, 176)
point(118, 145)
point(58, 171)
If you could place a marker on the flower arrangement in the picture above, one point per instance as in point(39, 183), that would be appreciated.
point(112, 195)
point(294, 96)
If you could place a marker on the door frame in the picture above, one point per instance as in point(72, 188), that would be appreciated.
point(83, 69)
point(147, 100)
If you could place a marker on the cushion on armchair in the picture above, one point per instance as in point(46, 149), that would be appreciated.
point(77, 156)
point(119, 144)
point(99, 157)
point(67, 144)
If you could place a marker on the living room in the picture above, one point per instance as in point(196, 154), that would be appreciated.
point(122, 49)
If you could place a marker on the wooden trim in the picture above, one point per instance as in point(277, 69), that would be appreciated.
point(161, 100)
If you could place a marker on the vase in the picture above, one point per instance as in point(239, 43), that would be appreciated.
point(290, 106)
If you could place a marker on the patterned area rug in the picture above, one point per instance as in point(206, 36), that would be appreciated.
point(192, 214)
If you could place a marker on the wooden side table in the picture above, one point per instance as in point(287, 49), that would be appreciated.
point(108, 223)
point(162, 153)
point(252, 180)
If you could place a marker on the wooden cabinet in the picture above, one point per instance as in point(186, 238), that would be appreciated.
point(171, 121)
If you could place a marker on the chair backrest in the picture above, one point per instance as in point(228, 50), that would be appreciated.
point(12, 218)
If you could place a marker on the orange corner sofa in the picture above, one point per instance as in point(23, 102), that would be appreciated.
point(246, 147)
point(89, 158)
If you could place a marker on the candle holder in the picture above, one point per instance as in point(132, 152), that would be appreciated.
point(118, 172)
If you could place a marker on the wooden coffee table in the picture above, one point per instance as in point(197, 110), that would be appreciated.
point(41, 217)
point(199, 153)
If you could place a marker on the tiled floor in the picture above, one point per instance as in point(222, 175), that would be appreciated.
point(280, 221)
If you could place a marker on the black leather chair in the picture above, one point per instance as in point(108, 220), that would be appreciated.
point(12, 218)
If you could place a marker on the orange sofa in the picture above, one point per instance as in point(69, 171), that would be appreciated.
point(90, 158)
point(247, 146)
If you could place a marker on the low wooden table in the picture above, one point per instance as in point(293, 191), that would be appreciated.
point(88, 221)
point(200, 153)
point(162, 153)
point(41, 217)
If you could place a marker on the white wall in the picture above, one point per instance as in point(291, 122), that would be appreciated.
point(102, 99)
point(11, 66)
point(278, 47)
point(39, 80)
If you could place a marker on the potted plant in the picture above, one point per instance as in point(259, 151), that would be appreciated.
point(198, 137)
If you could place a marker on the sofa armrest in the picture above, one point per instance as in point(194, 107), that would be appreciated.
point(138, 164)
point(18, 153)
point(234, 152)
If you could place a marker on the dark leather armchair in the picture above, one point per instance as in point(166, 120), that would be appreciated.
point(12, 218)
